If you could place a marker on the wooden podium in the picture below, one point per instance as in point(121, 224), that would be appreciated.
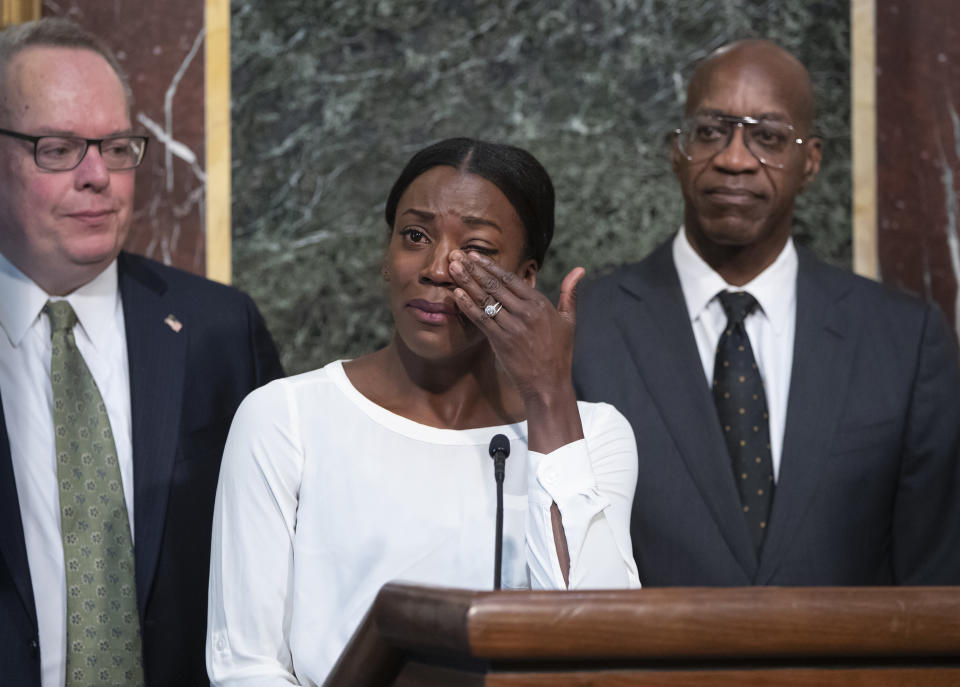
point(826, 636)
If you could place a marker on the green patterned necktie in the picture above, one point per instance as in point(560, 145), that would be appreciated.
point(103, 628)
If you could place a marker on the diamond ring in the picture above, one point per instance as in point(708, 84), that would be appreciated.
point(492, 309)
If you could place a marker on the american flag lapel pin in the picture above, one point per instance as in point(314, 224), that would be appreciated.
point(174, 324)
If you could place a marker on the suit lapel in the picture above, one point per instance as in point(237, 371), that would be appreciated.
point(660, 339)
point(822, 353)
point(13, 548)
point(156, 356)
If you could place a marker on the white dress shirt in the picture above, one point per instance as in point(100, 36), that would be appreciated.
point(770, 327)
point(27, 399)
point(325, 496)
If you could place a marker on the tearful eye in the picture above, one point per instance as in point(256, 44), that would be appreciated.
point(413, 235)
point(482, 250)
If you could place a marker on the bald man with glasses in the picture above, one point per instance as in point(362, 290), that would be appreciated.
point(118, 378)
point(795, 424)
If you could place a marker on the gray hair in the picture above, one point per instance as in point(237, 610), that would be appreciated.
point(54, 32)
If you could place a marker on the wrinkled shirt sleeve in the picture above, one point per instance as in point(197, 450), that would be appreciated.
point(592, 482)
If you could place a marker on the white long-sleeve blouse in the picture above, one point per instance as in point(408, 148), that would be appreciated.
point(325, 496)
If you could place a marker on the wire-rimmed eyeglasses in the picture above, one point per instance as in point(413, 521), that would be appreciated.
point(771, 141)
point(63, 153)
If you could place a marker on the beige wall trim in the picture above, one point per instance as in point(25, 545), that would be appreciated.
point(863, 60)
point(217, 133)
point(17, 11)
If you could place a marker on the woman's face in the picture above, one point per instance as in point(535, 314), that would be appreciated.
point(441, 211)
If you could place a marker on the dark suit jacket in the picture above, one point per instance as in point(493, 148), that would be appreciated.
point(869, 484)
point(184, 389)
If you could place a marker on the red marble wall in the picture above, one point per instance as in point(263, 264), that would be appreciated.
point(160, 45)
point(918, 154)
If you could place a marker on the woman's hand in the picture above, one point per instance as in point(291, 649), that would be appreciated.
point(532, 340)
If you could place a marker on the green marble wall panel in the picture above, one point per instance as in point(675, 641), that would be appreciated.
point(330, 98)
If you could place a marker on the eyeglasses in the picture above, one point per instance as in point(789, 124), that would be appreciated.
point(63, 153)
point(771, 141)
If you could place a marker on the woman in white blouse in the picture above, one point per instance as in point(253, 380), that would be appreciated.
point(339, 480)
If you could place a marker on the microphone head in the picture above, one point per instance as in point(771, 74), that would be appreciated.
point(499, 445)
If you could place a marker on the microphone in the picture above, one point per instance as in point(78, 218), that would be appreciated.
point(499, 451)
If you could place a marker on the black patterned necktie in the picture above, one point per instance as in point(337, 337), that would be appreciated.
point(742, 409)
point(103, 628)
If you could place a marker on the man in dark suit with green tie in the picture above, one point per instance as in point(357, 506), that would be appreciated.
point(118, 377)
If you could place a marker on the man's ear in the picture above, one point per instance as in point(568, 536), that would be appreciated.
point(676, 159)
point(811, 163)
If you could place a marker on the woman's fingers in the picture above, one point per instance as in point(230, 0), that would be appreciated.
point(484, 294)
point(468, 278)
point(474, 312)
point(485, 280)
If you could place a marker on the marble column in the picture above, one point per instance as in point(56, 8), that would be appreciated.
point(160, 47)
point(331, 98)
point(918, 147)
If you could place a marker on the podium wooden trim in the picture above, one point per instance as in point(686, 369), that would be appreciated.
point(668, 637)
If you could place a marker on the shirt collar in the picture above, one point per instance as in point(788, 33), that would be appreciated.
point(20, 307)
point(95, 303)
point(775, 288)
